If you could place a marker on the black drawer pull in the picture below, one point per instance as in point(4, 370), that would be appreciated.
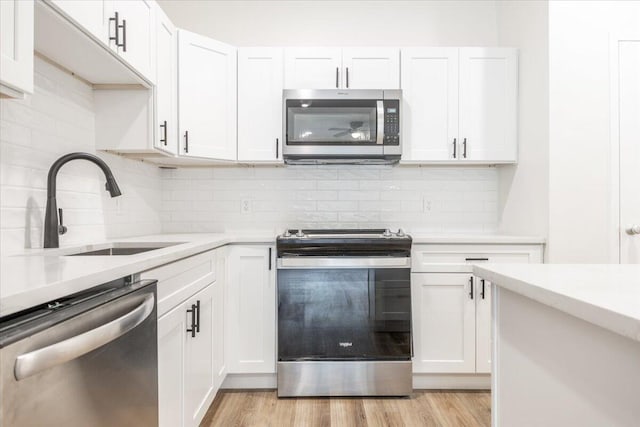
point(192, 329)
point(482, 293)
point(471, 287)
point(476, 259)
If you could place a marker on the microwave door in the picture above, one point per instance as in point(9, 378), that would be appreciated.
point(334, 122)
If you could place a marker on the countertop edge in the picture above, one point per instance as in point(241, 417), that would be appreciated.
point(611, 320)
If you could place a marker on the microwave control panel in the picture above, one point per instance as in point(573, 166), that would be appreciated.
point(391, 122)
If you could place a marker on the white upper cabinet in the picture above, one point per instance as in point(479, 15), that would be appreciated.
point(90, 15)
point(313, 68)
point(371, 68)
point(16, 47)
point(166, 132)
point(207, 97)
point(460, 104)
point(488, 103)
point(133, 38)
point(337, 68)
point(430, 103)
point(260, 84)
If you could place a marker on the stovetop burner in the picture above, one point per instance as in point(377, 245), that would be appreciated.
point(355, 233)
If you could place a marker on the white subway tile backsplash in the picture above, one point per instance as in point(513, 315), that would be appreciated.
point(57, 119)
point(436, 199)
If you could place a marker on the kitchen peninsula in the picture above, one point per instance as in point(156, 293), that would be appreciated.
point(566, 344)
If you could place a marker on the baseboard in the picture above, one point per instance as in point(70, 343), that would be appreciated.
point(242, 381)
point(420, 381)
point(452, 381)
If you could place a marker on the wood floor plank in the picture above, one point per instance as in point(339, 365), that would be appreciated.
point(424, 408)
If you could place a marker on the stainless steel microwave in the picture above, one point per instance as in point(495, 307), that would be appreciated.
point(342, 126)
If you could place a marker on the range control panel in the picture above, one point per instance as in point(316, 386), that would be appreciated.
point(391, 122)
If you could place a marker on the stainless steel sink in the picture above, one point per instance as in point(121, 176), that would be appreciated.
point(121, 248)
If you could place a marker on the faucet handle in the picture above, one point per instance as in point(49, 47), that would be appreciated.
point(62, 229)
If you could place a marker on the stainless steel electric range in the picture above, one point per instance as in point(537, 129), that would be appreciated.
point(344, 313)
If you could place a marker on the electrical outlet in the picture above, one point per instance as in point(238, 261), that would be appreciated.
point(426, 205)
point(245, 206)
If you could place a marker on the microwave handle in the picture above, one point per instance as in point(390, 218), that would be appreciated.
point(380, 130)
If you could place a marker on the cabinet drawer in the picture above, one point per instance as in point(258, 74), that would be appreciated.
point(432, 258)
point(181, 279)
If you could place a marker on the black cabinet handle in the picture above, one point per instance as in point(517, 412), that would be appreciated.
point(277, 148)
point(197, 316)
point(192, 329)
point(269, 259)
point(347, 77)
point(337, 77)
point(471, 287)
point(116, 27)
point(163, 126)
point(464, 148)
point(186, 141)
point(455, 148)
point(476, 259)
point(124, 35)
point(482, 293)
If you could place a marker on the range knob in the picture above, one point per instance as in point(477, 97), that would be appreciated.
point(287, 233)
point(387, 233)
point(300, 233)
point(400, 233)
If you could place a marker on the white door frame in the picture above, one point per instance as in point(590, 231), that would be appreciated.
point(614, 128)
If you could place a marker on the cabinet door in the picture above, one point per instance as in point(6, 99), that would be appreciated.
point(171, 352)
point(206, 97)
point(488, 104)
point(430, 103)
point(137, 18)
point(199, 387)
point(484, 337)
point(252, 310)
point(313, 68)
point(219, 359)
point(443, 323)
point(371, 68)
point(16, 47)
point(90, 15)
point(166, 130)
point(260, 84)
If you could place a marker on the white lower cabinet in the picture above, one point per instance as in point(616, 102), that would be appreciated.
point(191, 364)
point(251, 310)
point(452, 308)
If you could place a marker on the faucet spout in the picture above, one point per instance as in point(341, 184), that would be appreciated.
point(51, 226)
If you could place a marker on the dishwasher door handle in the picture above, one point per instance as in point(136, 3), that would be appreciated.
point(55, 354)
point(308, 262)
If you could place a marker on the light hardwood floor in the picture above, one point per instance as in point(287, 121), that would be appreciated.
point(423, 408)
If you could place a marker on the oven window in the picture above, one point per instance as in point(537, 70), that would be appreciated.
point(344, 314)
point(331, 122)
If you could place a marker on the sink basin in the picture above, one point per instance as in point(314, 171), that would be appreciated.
point(121, 248)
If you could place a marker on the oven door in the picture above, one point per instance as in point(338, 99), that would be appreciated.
point(346, 314)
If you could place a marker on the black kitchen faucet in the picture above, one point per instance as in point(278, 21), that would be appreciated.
point(51, 226)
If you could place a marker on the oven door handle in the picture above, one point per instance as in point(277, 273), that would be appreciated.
point(380, 119)
point(55, 354)
point(307, 262)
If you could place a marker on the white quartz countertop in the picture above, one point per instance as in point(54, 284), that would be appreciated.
point(42, 275)
point(607, 295)
point(500, 239)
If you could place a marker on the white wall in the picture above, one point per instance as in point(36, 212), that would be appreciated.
point(524, 188)
point(579, 139)
point(58, 119)
point(436, 199)
point(339, 23)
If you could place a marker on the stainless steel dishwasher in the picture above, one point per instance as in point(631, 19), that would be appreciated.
point(86, 360)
